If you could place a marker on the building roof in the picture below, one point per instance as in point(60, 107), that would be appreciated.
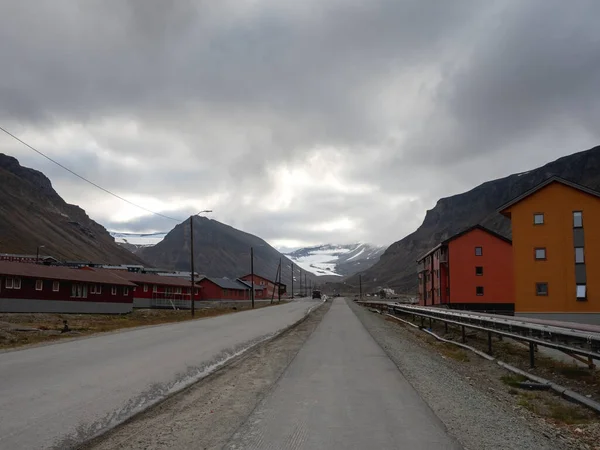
point(149, 278)
point(462, 233)
point(257, 287)
point(259, 276)
point(19, 269)
point(543, 184)
point(15, 255)
point(227, 283)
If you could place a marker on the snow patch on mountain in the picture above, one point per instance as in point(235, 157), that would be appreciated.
point(337, 260)
point(138, 239)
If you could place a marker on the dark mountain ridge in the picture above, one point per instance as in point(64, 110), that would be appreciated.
point(397, 267)
point(219, 251)
point(32, 214)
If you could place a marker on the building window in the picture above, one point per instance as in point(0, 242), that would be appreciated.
point(125, 291)
point(155, 289)
point(577, 219)
point(540, 253)
point(39, 285)
point(479, 290)
point(113, 290)
point(579, 257)
point(538, 219)
point(479, 270)
point(196, 291)
point(178, 290)
point(98, 289)
point(79, 290)
point(95, 289)
point(541, 288)
point(581, 292)
point(478, 251)
point(17, 283)
point(145, 288)
point(8, 283)
point(55, 286)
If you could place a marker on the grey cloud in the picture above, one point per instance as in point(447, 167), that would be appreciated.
point(422, 98)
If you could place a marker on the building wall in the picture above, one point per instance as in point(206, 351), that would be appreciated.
point(557, 202)
point(123, 294)
point(148, 298)
point(260, 281)
point(211, 292)
point(433, 280)
point(496, 260)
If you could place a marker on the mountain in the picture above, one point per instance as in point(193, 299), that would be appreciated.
point(337, 260)
point(397, 267)
point(135, 241)
point(219, 251)
point(32, 214)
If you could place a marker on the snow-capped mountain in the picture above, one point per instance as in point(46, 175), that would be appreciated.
point(138, 239)
point(340, 260)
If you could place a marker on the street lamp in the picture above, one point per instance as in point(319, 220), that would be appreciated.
point(37, 255)
point(193, 286)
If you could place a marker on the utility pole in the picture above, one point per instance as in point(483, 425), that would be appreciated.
point(279, 285)
point(193, 285)
point(300, 282)
point(360, 285)
point(252, 275)
point(292, 280)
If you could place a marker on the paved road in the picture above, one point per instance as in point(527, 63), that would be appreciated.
point(61, 394)
point(342, 392)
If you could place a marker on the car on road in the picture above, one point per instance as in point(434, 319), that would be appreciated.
point(316, 294)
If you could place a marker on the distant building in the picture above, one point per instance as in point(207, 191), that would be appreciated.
point(556, 250)
point(155, 291)
point(469, 270)
point(50, 289)
point(269, 285)
point(30, 259)
point(218, 289)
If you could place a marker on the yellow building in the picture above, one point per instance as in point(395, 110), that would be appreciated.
point(556, 251)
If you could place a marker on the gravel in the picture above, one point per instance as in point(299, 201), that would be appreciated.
point(477, 415)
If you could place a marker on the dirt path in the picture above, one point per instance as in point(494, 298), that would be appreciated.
point(205, 415)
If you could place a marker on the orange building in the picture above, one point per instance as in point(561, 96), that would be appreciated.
point(556, 251)
point(470, 270)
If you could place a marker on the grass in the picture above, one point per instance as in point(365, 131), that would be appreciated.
point(47, 326)
point(456, 353)
point(555, 409)
point(513, 380)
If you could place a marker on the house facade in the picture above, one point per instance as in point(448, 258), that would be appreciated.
point(156, 291)
point(556, 251)
point(220, 289)
point(49, 289)
point(469, 270)
point(262, 282)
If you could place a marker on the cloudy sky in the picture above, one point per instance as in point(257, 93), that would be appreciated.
point(303, 122)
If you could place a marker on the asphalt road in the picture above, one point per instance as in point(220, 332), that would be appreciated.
point(342, 392)
point(62, 394)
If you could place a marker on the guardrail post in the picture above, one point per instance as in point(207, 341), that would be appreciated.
point(464, 337)
point(490, 342)
point(430, 324)
point(531, 355)
point(446, 327)
point(422, 322)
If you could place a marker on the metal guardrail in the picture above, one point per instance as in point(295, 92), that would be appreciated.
point(578, 344)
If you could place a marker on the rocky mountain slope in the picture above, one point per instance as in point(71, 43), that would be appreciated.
point(32, 214)
point(397, 268)
point(219, 251)
point(341, 260)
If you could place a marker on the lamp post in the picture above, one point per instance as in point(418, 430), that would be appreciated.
point(193, 284)
point(37, 255)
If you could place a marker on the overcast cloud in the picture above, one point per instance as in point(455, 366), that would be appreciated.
point(303, 122)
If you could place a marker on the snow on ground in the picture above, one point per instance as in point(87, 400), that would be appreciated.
point(362, 250)
point(144, 239)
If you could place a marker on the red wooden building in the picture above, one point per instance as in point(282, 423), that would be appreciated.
point(40, 288)
point(156, 291)
point(469, 270)
point(270, 286)
point(216, 289)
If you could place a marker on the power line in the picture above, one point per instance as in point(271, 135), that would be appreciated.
point(85, 179)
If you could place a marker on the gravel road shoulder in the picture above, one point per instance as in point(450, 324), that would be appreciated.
point(478, 415)
point(205, 415)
